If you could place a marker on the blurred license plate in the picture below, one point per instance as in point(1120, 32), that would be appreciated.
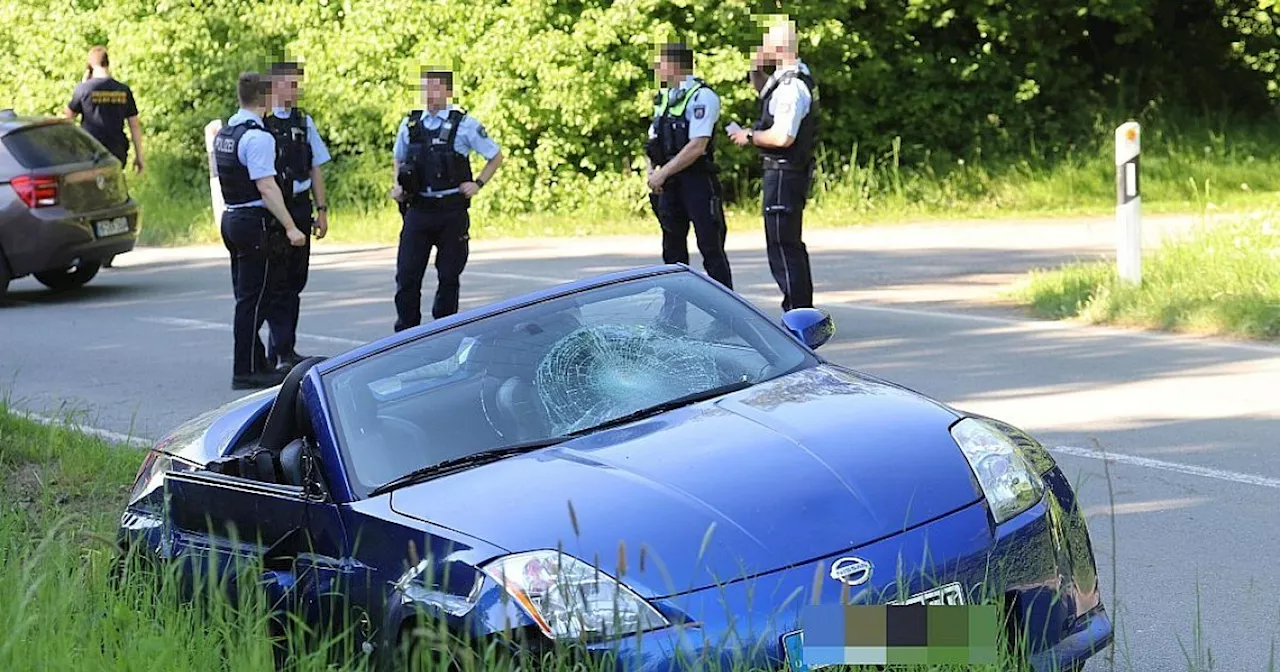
point(111, 227)
point(793, 642)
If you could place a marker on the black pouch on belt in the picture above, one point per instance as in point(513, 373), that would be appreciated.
point(275, 240)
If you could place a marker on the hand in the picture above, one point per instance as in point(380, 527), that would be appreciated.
point(322, 224)
point(396, 193)
point(741, 138)
point(296, 237)
point(137, 165)
point(657, 178)
point(469, 189)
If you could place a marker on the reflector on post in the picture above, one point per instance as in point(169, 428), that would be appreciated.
point(1128, 204)
point(215, 190)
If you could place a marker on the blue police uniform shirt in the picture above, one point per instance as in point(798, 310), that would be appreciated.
point(791, 99)
point(319, 153)
point(471, 138)
point(702, 112)
point(257, 152)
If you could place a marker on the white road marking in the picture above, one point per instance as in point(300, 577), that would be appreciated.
point(117, 437)
point(516, 276)
point(1191, 470)
point(222, 326)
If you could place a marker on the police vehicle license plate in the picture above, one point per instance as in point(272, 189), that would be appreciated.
point(111, 227)
point(793, 642)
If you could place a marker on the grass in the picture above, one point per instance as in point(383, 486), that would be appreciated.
point(1188, 167)
point(63, 493)
point(1223, 279)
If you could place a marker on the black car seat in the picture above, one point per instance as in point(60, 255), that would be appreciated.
point(287, 423)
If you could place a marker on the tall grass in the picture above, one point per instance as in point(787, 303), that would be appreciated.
point(1189, 165)
point(1222, 279)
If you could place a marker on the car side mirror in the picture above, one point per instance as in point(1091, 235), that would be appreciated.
point(811, 326)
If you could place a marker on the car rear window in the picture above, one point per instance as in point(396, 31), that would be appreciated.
point(50, 145)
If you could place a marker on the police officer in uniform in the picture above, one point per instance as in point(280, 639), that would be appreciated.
point(257, 229)
point(682, 171)
point(785, 136)
point(434, 186)
point(299, 154)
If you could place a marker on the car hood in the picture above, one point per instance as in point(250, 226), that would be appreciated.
point(781, 473)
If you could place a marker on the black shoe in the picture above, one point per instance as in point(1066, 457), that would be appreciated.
point(257, 381)
point(287, 362)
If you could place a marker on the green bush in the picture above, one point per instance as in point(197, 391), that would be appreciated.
point(565, 86)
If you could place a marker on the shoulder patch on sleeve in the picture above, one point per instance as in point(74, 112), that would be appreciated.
point(699, 111)
point(480, 130)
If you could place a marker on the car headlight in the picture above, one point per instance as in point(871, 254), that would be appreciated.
point(1009, 483)
point(150, 475)
point(570, 599)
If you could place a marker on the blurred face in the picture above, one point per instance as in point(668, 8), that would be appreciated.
point(435, 93)
point(285, 90)
point(667, 70)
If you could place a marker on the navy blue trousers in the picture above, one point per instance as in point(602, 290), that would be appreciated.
point(256, 279)
point(448, 231)
point(694, 197)
point(284, 324)
point(785, 192)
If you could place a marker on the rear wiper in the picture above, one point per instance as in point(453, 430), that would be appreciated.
point(466, 462)
point(665, 406)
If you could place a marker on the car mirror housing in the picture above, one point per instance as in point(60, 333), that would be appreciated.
point(811, 326)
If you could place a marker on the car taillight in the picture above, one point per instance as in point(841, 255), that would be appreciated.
point(36, 192)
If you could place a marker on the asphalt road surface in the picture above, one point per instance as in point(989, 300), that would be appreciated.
point(1181, 510)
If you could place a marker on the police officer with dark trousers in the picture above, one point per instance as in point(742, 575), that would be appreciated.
point(785, 136)
point(257, 229)
point(682, 170)
point(299, 154)
point(434, 186)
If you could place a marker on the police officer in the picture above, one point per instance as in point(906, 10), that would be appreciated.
point(257, 229)
point(785, 136)
point(682, 170)
point(434, 186)
point(299, 154)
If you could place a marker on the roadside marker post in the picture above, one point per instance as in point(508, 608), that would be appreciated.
point(215, 190)
point(1128, 204)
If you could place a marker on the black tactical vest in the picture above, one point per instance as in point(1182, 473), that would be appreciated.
point(799, 156)
point(233, 176)
point(293, 152)
point(672, 130)
point(431, 161)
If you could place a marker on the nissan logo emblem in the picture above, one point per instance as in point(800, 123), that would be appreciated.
point(851, 571)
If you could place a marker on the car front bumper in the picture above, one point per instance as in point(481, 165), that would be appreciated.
point(1039, 566)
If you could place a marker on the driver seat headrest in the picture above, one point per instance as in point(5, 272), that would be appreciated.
point(285, 420)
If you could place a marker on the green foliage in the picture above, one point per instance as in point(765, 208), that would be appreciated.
point(1222, 279)
point(565, 86)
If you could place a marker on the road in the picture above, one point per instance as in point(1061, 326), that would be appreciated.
point(1181, 516)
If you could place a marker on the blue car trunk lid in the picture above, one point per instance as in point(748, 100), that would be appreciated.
point(787, 471)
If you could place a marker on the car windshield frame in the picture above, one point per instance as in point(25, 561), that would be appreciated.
point(459, 342)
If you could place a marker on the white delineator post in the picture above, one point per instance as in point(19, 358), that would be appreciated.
point(210, 130)
point(1128, 204)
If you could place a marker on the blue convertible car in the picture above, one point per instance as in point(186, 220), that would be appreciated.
point(641, 463)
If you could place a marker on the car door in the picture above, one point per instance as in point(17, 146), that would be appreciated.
point(290, 537)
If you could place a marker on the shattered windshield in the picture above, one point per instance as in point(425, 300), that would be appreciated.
point(543, 371)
